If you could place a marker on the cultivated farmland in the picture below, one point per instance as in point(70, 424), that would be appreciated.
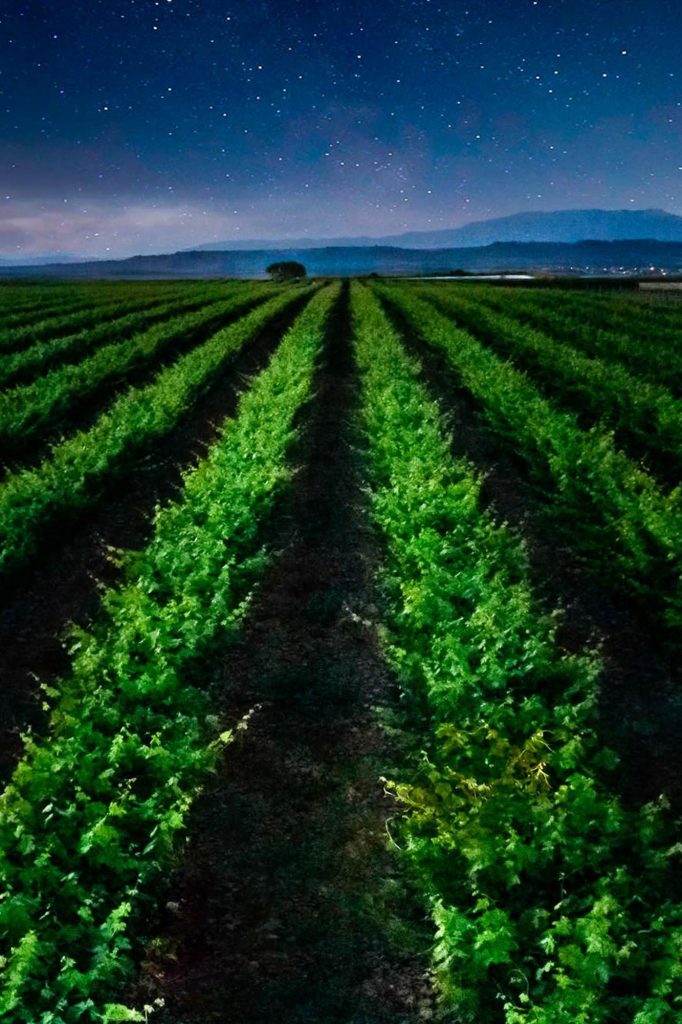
point(339, 647)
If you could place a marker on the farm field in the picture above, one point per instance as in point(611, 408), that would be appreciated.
point(339, 648)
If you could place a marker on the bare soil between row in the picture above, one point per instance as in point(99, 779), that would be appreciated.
point(84, 409)
point(640, 694)
point(287, 904)
point(63, 585)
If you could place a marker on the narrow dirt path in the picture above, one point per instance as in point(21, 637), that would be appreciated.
point(662, 465)
point(38, 607)
point(641, 699)
point(85, 409)
point(289, 907)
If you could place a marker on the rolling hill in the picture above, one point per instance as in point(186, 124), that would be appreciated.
point(557, 226)
point(582, 258)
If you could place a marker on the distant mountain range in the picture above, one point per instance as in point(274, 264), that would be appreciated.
point(40, 261)
point(247, 258)
point(558, 226)
point(638, 257)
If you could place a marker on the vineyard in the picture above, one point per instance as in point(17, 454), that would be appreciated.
point(339, 646)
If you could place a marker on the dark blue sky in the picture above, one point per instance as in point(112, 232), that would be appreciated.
point(149, 125)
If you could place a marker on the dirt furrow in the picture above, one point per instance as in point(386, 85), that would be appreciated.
point(641, 701)
point(39, 607)
point(83, 410)
point(571, 398)
point(288, 906)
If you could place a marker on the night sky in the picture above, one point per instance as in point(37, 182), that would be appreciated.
point(151, 125)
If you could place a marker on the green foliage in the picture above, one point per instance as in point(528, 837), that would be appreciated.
point(90, 819)
point(616, 512)
point(70, 477)
point(552, 902)
point(639, 411)
point(86, 315)
point(644, 340)
point(36, 305)
point(28, 410)
point(286, 270)
point(114, 1013)
point(30, 362)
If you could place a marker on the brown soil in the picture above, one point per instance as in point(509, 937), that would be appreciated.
point(57, 359)
point(641, 699)
point(83, 410)
point(36, 315)
point(288, 905)
point(40, 605)
point(664, 465)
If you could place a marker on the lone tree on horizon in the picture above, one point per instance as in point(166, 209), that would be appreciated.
point(287, 270)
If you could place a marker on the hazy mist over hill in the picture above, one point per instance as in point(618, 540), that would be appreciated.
point(557, 226)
